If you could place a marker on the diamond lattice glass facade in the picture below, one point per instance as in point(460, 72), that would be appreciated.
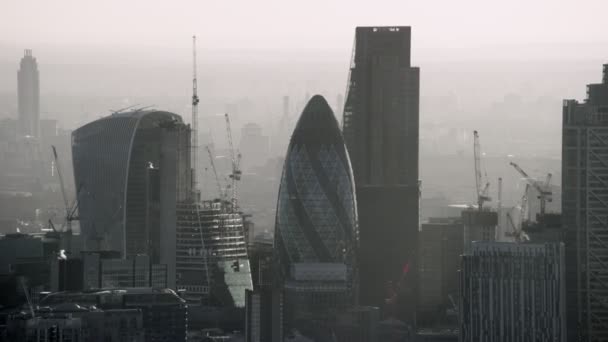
point(316, 212)
point(316, 231)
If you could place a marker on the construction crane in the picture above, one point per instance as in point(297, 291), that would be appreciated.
point(194, 128)
point(70, 210)
point(61, 184)
point(544, 190)
point(499, 210)
point(517, 228)
point(482, 190)
point(235, 158)
point(217, 178)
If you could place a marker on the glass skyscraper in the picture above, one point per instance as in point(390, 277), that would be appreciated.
point(131, 169)
point(316, 230)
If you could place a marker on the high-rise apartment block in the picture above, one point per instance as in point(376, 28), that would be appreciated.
point(380, 126)
point(513, 292)
point(585, 212)
point(29, 96)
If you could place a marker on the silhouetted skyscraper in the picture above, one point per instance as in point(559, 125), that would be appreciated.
point(380, 126)
point(29, 95)
point(584, 212)
point(316, 224)
point(131, 170)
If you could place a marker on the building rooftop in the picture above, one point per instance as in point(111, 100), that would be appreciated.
point(133, 296)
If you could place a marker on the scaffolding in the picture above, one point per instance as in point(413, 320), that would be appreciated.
point(210, 235)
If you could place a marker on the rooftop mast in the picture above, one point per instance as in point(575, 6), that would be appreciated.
point(194, 128)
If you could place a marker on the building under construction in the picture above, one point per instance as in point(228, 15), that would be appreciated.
point(212, 263)
point(212, 266)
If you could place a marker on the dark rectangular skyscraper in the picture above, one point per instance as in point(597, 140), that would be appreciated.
point(381, 132)
point(29, 95)
point(585, 212)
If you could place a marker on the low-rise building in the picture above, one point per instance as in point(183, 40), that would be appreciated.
point(164, 313)
point(72, 322)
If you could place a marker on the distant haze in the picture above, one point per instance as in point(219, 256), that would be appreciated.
point(296, 24)
point(500, 67)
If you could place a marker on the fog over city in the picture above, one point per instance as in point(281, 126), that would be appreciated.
point(503, 69)
point(500, 68)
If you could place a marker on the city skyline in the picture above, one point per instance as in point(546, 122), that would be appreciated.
point(289, 181)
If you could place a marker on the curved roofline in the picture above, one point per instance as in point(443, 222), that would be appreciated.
point(317, 128)
point(132, 113)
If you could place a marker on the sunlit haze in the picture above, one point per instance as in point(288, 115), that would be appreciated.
point(304, 170)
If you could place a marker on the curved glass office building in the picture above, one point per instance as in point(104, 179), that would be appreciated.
point(130, 169)
point(316, 230)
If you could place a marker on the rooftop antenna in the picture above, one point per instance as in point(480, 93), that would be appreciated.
point(194, 132)
point(117, 111)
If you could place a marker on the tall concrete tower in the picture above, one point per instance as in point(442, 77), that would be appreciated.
point(29, 95)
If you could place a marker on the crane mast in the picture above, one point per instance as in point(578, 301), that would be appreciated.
point(482, 193)
point(61, 183)
point(544, 192)
point(70, 210)
point(194, 128)
point(235, 158)
point(517, 228)
point(523, 210)
point(217, 178)
point(499, 210)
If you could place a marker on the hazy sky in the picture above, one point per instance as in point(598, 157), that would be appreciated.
point(473, 53)
point(311, 24)
point(255, 51)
